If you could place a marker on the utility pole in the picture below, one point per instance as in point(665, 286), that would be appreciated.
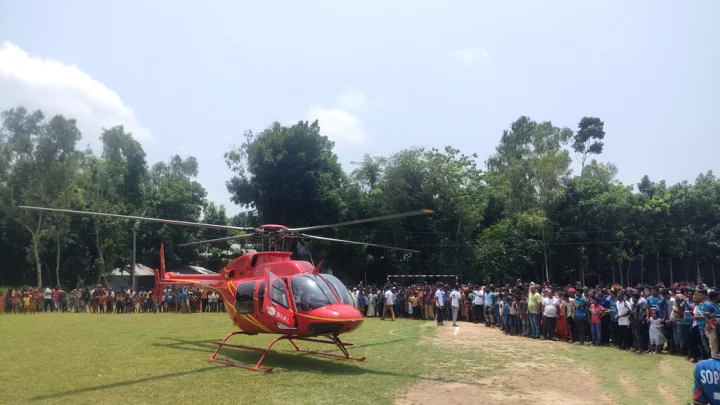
point(134, 279)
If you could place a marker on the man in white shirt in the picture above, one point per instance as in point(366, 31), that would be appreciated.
point(388, 304)
point(439, 304)
point(455, 303)
point(624, 309)
point(550, 309)
point(478, 301)
point(355, 294)
point(48, 299)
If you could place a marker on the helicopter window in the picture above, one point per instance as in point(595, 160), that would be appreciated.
point(311, 292)
point(261, 296)
point(244, 301)
point(278, 293)
point(339, 288)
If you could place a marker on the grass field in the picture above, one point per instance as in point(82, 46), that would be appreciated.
point(159, 359)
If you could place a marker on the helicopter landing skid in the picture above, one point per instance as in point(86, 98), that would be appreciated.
point(256, 367)
point(333, 340)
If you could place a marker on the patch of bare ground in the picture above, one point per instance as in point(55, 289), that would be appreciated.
point(668, 396)
point(665, 368)
point(519, 380)
point(625, 382)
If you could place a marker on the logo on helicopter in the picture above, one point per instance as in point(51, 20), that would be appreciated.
point(280, 317)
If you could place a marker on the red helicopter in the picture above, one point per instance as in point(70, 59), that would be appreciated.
point(268, 292)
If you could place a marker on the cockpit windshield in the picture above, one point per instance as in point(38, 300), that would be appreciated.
point(340, 289)
point(310, 292)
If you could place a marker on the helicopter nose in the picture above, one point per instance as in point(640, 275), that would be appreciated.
point(348, 312)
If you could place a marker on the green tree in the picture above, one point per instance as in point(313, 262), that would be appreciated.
point(289, 175)
point(40, 161)
point(530, 166)
point(588, 139)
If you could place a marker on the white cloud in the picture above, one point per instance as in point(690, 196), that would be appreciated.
point(353, 99)
point(470, 57)
point(341, 123)
point(57, 88)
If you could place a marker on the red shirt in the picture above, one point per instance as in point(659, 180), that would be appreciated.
point(594, 310)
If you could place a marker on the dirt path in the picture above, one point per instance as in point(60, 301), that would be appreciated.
point(535, 378)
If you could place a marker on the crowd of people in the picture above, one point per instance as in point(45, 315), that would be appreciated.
point(679, 319)
point(99, 299)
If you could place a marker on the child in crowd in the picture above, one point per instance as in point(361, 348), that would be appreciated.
point(513, 318)
point(26, 302)
point(524, 320)
point(657, 339)
point(596, 311)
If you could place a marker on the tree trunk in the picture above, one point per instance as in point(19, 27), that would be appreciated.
point(697, 262)
point(38, 267)
point(49, 273)
point(672, 281)
point(547, 272)
point(101, 257)
point(627, 276)
point(582, 267)
point(35, 241)
point(57, 258)
point(712, 270)
point(612, 270)
point(687, 278)
point(642, 269)
point(622, 279)
point(657, 267)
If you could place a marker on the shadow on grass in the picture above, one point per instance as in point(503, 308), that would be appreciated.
point(205, 346)
point(120, 384)
point(285, 361)
point(290, 360)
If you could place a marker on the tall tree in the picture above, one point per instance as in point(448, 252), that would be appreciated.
point(290, 175)
point(530, 164)
point(42, 161)
point(588, 139)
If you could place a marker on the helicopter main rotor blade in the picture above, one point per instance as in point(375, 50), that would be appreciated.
point(164, 221)
point(322, 238)
point(218, 239)
point(362, 221)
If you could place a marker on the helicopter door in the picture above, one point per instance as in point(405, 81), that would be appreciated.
point(276, 302)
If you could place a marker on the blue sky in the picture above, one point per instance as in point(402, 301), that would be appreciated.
point(189, 78)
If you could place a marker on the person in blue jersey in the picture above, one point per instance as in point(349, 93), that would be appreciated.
point(490, 297)
point(712, 312)
point(697, 333)
point(656, 302)
point(687, 307)
point(706, 386)
point(606, 302)
point(579, 316)
point(613, 319)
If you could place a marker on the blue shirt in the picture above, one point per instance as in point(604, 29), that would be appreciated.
point(580, 307)
point(659, 304)
point(687, 309)
point(706, 388)
point(709, 308)
point(489, 298)
point(613, 310)
point(606, 302)
point(701, 321)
